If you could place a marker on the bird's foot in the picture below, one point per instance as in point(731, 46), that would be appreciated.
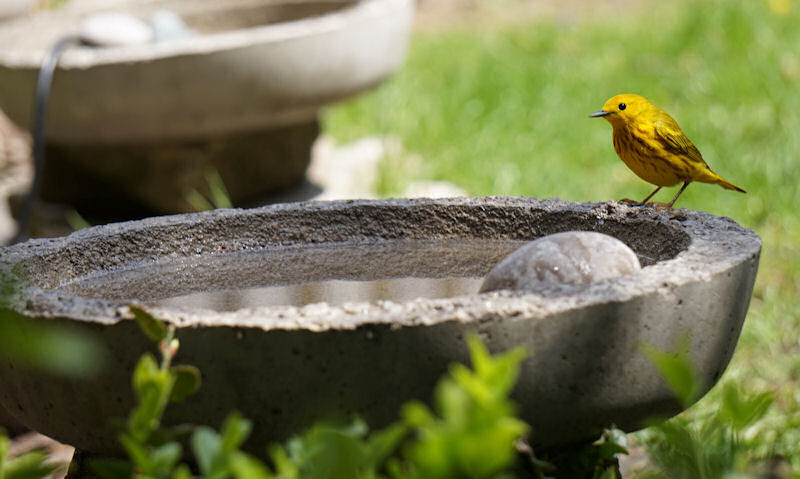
point(631, 202)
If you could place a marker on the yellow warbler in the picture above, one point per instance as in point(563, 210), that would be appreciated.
point(653, 146)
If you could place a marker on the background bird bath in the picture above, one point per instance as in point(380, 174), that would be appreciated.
point(139, 124)
point(285, 366)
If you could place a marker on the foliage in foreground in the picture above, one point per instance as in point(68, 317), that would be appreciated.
point(30, 465)
point(53, 348)
point(50, 348)
point(714, 446)
point(472, 431)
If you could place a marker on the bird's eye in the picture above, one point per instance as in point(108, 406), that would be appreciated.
point(622, 106)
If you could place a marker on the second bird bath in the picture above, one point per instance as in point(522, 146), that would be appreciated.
point(301, 312)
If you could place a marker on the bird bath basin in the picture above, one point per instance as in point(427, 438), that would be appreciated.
point(241, 95)
point(305, 311)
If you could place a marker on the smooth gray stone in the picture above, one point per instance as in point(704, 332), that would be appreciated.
point(115, 29)
point(574, 257)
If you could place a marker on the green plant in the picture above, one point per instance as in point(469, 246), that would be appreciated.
point(30, 465)
point(597, 460)
point(54, 349)
point(153, 451)
point(472, 431)
point(75, 220)
point(474, 428)
point(710, 447)
point(328, 451)
point(49, 347)
point(216, 187)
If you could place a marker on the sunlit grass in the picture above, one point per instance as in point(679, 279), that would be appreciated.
point(504, 111)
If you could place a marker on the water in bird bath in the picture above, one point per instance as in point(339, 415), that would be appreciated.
point(333, 292)
point(400, 270)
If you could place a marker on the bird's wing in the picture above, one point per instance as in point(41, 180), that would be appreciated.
point(675, 141)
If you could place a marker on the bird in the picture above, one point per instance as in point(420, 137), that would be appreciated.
point(654, 147)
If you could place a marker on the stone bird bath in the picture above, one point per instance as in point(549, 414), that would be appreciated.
point(287, 361)
point(144, 122)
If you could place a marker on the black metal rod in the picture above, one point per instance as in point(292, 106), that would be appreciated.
point(43, 83)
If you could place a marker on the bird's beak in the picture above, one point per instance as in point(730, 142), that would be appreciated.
point(600, 113)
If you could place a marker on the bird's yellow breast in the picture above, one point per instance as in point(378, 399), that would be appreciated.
point(647, 159)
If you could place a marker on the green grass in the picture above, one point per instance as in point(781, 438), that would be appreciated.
point(503, 110)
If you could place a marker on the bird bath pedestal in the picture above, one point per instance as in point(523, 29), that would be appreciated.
point(144, 123)
point(246, 290)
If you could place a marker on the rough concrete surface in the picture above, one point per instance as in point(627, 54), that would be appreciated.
point(287, 366)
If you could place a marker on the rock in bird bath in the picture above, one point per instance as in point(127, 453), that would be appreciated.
point(570, 258)
point(115, 30)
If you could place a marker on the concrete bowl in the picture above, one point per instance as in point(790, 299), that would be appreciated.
point(285, 366)
point(255, 65)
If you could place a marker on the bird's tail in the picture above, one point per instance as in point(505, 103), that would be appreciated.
point(711, 177)
point(728, 185)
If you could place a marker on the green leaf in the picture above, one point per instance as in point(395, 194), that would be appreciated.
point(206, 446)
point(677, 370)
point(182, 472)
point(498, 372)
point(164, 458)
point(331, 453)
point(146, 416)
point(152, 386)
point(284, 467)
point(244, 466)
point(153, 328)
point(5, 444)
point(219, 194)
point(740, 409)
point(235, 430)
point(196, 200)
point(677, 451)
point(146, 372)
point(610, 444)
point(28, 466)
point(75, 220)
point(475, 433)
point(60, 349)
point(383, 443)
point(417, 414)
point(187, 382)
point(136, 451)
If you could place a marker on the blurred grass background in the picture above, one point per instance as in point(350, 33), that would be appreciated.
point(499, 107)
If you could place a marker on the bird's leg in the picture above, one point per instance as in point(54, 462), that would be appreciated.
point(644, 201)
point(685, 184)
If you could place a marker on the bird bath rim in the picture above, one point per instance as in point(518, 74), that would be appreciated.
point(691, 246)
